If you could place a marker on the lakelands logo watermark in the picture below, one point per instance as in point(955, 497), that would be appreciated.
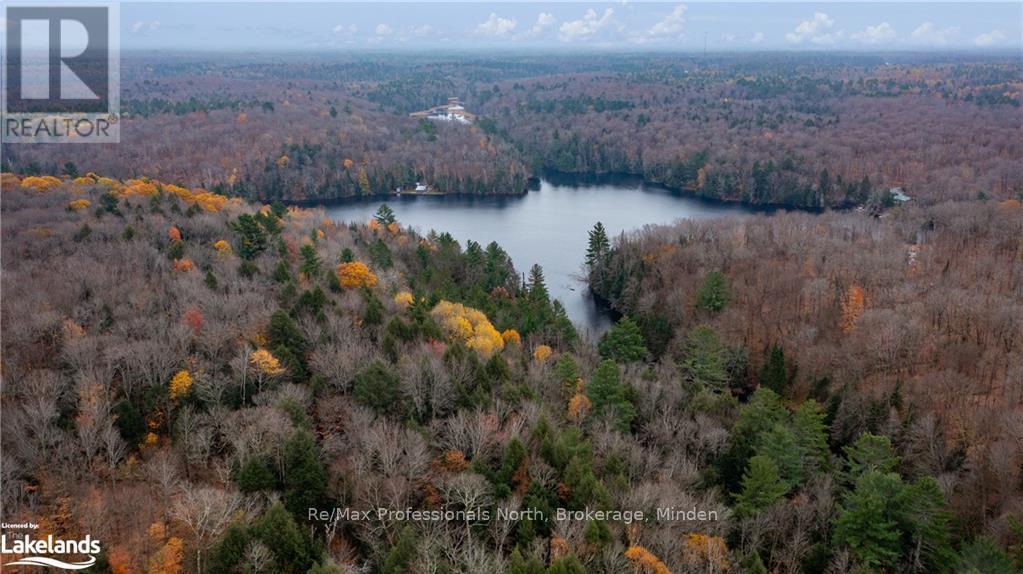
point(47, 552)
point(61, 73)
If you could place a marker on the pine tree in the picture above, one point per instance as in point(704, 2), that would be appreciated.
point(775, 373)
point(779, 444)
point(869, 452)
point(867, 521)
point(598, 254)
point(311, 264)
point(761, 486)
point(277, 529)
point(812, 436)
point(537, 286)
point(623, 343)
point(606, 393)
point(305, 478)
point(385, 215)
point(714, 293)
point(517, 564)
point(705, 361)
point(399, 558)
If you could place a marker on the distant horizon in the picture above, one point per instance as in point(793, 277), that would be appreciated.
point(623, 26)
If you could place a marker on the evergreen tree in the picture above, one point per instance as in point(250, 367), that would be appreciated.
point(869, 452)
point(566, 565)
point(714, 293)
point(982, 556)
point(598, 254)
point(305, 478)
point(868, 520)
point(311, 264)
point(705, 360)
point(385, 215)
point(761, 486)
point(400, 557)
point(760, 414)
point(775, 373)
point(537, 286)
point(252, 237)
point(779, 444)
point(606, 393)
point(277, 530)
point(927, 523)
point(288, 344)
point(623, 343)
point(812, 436)
point(255, 475)
point(377, 387)
point(753, 564)
point(517, 564)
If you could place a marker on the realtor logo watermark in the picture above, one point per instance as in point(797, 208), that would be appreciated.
point(61, 73)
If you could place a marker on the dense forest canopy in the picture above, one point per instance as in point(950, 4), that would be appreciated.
point(804, 130)
point(186, 375)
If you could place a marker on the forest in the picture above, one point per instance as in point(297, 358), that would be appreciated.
point(187, 374)
point(810, 131)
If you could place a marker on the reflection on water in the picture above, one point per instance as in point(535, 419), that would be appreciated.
point(548, 225)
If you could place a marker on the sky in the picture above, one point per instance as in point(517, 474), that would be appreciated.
point(622, 25)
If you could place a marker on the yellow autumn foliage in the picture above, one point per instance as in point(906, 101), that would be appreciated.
point(40, 183)
point(709, 552)
point(403, 299)
point(79, 204)
point(469, 326)
point(264, 362)
point(542, 353)
point(180, 385)
point(355, 274)
point(84, 180)
point(223, 247)
point(140, 188)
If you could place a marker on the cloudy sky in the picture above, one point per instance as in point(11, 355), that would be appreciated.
point(623, 25)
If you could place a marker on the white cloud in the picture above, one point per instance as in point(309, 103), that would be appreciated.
point(384, 30)
point(814, 30)
point(989, 38)
point(883, 32)
point(140, 26)
point(349, 30)
point(728, 37)
point(926, 33)
point(424, 30)
point(543, 21)
point(671, 25)
point(496, 26)
point(757, 38)
point(589, 25)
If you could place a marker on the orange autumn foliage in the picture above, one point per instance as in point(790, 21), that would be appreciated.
point(706, 551)
point(511, 337)
point(542, 353)
point(454, 461)
point(79, 204)
point(168, 559)
point(183, 265)
point(193, 318)
point(355, 274)
point(120, 560)
point(644, 561)
point(578, 407)
point(174, 234)
point(852, 307)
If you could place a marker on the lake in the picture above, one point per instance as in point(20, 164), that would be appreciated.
point(548, 225)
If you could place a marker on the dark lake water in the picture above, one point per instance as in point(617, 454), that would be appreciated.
point(548, 225)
